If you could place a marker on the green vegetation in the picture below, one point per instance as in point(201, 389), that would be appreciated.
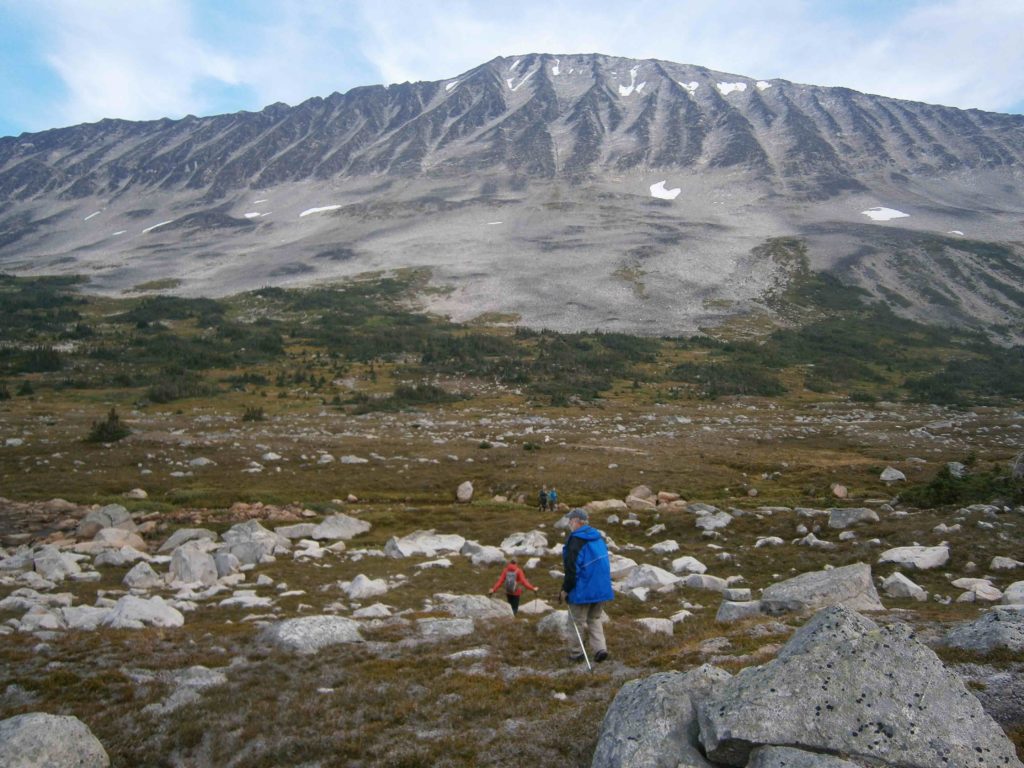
point(973, 488)
point(109, 430)
point(169, 348)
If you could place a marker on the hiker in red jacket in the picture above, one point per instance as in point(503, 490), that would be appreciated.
point(511, 578)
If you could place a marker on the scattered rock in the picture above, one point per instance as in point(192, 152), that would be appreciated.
point(464, 493)
point(850, 586)
point(309, 634)
point(844, 518)
point(995, 630)
point(40, 740)
point(921, 558)
point(890, 475)
point(898, 585)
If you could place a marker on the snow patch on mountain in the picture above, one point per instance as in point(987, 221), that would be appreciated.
point(763, 85)
point(91, 215)
point(727, 88)
point(448, 86)
point(691, 86)
point(555, 68)
point(321, 209)
point(514, 88)
point(633, 87)
point(156, 226)
point(884, 214)
point(658, 190)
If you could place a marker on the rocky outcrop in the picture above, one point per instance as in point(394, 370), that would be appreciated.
point(995, 630)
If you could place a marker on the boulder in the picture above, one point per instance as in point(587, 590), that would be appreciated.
point(898, 585)
point(995, 630)
point(296, 531)
point(704, 581)
point(115, 538)
point(768, 541)
point(183, 535)
point(189, 565)
point(651, 723)
point(436, 630)
point(713, 521)
point(606, 505)
point(688, 564)
point(474, 606)
point(650, 577)
point(53, 565)
point(921, 558)
point(737, 611)
point(983, 589)
point(479, 554)
point(309, 634)
point(250, 542)
point(666, 547)
point(850, 585)
point(643, 492)
point(657, 626)
point(621, 566)
point(555, 623)
point(464, 493)
point(132, 612)
point(142, 576)
point(423, 544)
point(362, 587)
point(41, 740)
point(844, 685)
point(86, 618)
point(339, 526)
point(531, 544)
point(119, 557)
point(1004, 564)
point(637, 504)
point(839, 490)
point(226, 564)
point(891, 475)
point(110, 516)
point(844, 518)
point(1014, 594)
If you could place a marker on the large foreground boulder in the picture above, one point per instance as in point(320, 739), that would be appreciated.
point(311, 633)
point(787, 757)
point(40, 740)
point(652, 722)
point(843, 685)
point(850, 585)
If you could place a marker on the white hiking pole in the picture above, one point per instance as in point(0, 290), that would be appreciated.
point(580, 638)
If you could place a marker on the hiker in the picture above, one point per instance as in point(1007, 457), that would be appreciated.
point(511, 578)
point(552, 499)
point(587, 586)
point(542, 499)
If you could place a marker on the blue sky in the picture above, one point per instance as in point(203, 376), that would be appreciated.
point(64, 62)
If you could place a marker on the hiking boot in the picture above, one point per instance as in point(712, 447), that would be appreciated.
point(576, 657)
point(600, 655)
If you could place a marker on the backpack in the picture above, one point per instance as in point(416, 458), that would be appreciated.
point(510, 582)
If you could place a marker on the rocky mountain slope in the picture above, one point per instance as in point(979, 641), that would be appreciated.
point(574, 191)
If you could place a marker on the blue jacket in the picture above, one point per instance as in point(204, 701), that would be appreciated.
point(588, 577)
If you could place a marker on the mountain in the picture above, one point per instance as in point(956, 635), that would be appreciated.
point(574, 192)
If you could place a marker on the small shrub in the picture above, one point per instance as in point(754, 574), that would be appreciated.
point(528, 446)
point(25, 388)
point(110, 430)
point(5, 393)
point(253, 414)
point(484, 444)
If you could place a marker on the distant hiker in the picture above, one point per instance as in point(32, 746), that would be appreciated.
point(542, 499)
point(552, 499)
point(510, 579)
point(587, 586)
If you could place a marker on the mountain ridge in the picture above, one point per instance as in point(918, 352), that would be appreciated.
point(575, 147)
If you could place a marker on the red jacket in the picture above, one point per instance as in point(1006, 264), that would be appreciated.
point(520, 579)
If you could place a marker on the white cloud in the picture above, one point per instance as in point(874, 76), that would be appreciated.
point(131, 60)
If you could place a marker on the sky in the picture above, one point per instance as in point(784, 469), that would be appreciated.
point(64, 62)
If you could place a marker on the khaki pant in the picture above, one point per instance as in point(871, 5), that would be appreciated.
point(588, 619)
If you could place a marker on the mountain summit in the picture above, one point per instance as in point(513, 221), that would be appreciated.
point(573, 191)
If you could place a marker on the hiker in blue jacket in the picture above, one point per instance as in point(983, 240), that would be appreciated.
point(587, 585)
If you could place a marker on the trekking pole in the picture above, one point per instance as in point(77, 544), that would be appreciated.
point(580, 638)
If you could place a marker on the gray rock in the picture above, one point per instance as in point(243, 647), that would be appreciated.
point(190, 564)
point(110, 516)
point(921, 558)
point(713, 521)
point(309, 634)
point(115, 538)
point(787, 757)
point(704, 581)
point(445, 629)
point(737, 594)
point(555, 623)
point(464, 493)
point(843, 685)
point(339, 526)
point(187, 684)
point(649, 577)
point(651, 723)
point(245, 540)
point(54, 565)
point(40, 740)
point(119, 557)
point(1000, 563)
point(363, 587)
point(423, 544)
point(183, 535)
point(226, 563)
point(474, 606)
point(850, 585)
point(995, 630)
point(84, 617)
point(844, 518)
point(737, 611)
point(142, 576)
point(530, 544)
point(891, 475)
point(132, 612)
point(479, 554)
point(898, 585)
point(956, 469)
point(1014, 594)
point(297, 531)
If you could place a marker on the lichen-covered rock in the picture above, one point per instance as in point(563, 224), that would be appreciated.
point(132, 612)
point(309, 634)
point(651, 723)
point(997, 629)
point(843, 685)
point(844, 518)
point(41, 740)
point(921, 558)
point(850, 585)
point(474, 606)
